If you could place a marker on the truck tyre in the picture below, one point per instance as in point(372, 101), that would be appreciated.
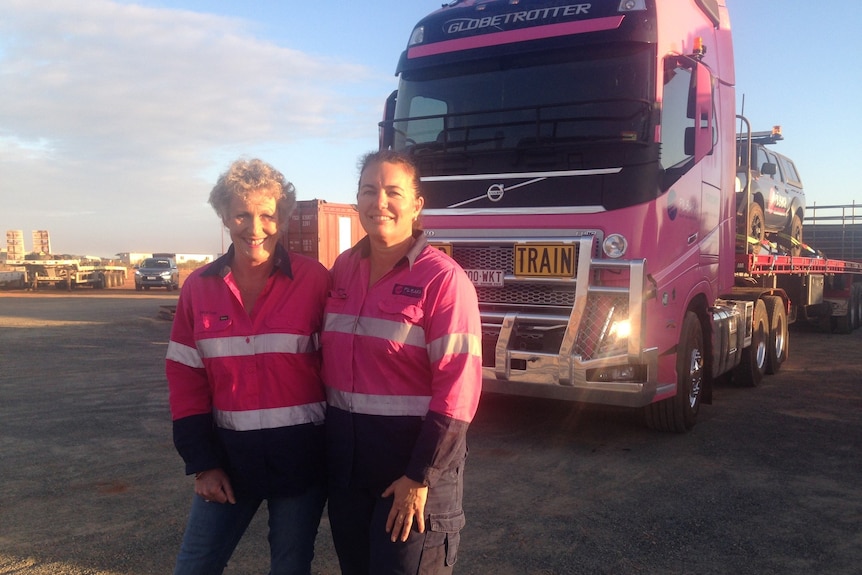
point(858, 288)
point(779, 334)
point(855, 318)
point(756, 228)
point(139, 287)
point(679, 413)
point(841, 323)
point(750, 371)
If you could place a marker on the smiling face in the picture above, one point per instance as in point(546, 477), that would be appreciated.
point(253, 225)
point(388, 203)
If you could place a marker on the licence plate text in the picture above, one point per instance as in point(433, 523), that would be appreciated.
point(485, 278)
point(545, 260)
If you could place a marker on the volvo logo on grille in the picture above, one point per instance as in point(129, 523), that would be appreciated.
point(495, 192)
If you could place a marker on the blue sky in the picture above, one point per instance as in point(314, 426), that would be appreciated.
point(116, 117)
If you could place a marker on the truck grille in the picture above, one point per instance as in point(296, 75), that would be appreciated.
point(593, 340)
point(512, 294)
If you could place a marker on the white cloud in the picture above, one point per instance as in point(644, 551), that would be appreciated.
point(110, 113)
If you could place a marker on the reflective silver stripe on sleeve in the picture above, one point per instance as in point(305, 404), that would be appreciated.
point(256, 419)
point(454, 344)
point(184, 354)
point(367, 404)
point(255, 344)
point(405, 333)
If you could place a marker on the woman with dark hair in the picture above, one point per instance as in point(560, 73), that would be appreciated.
point(402, 369)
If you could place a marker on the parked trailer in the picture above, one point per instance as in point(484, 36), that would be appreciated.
point(12, 280)
point(69, 274)
point(836, 230)
point(579, 162)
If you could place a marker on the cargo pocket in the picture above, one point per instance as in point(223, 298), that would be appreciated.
point(445, 530)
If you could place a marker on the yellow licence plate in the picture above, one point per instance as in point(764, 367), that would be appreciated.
point(545, 260)
point(445, 248)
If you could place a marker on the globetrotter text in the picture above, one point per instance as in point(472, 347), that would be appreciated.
point(465, 24)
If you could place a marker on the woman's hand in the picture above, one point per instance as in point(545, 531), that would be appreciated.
point(214, 486)
point(408, 505)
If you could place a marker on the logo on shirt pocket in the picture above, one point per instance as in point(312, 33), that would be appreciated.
point(409, 291)
point(213, 322)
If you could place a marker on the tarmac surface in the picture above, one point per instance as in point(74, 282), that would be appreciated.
point(768, 482)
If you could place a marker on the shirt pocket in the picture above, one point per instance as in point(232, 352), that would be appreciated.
point(211, 323)
point(404, 310)
point(336, 301)
point(297, 328)
point(287, 323)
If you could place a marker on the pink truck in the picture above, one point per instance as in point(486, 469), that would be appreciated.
point(579, 162)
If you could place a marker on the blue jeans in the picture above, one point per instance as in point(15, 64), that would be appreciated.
point(214, 530)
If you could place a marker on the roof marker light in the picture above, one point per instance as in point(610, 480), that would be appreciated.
point(699, 48)
point(631, 5)
point(417, 37)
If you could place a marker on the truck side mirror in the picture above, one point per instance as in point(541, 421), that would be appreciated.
point(387, 129)
point(699, 138)
point(769, 169)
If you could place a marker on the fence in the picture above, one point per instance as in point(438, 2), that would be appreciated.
point(835, 230)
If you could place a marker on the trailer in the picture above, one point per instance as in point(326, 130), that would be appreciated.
point(579, 162)
point(836, 230)
point(12, 280)
point(68, 274)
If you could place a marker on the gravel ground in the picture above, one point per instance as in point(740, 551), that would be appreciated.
point(768, 482)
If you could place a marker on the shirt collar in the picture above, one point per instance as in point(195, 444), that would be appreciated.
point(363, 246)
point(221, 267)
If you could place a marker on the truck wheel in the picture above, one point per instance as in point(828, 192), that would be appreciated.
point(779, 335)
point(855, 318)
point(794, 230)
point(679, 413)
point(858, 288)
point(751, 369)
point(841, 323)
point(139, 287)
point(756, 227)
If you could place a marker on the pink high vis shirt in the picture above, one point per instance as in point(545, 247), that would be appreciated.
point(246, 388)
point(403, 355)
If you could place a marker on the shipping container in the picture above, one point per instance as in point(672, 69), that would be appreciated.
point(321, 230)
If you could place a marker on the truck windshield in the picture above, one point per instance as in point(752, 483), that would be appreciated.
point(574, 97)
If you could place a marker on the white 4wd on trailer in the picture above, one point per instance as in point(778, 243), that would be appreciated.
point(777, 205)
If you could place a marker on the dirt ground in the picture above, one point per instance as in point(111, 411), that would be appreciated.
point(768, 482)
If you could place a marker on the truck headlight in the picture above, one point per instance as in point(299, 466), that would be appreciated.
point(615, 246)
point(621, 329)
